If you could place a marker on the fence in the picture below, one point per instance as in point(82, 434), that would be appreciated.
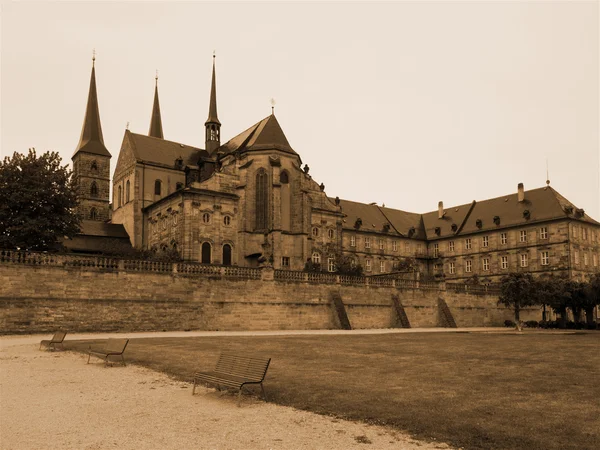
point(233, 272)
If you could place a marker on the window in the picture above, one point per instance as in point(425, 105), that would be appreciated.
point(468, 244)
point(285, 261)
point(485, 241)
point(227, 255)
point(574, 231)
point(315, 231)
point(331, 264)
point(595, 260)
point(544, 233)
point(584, 234)
point(523, 260)
point(284, 177)
point(352, 241)
point(436, 250)
point(382, 266)
point(451, 268)
point(206, 253)
point(394, 246)
point(504, 262)
point(468, 265)
point(523, 236)
point(262, 200)
point(226, 220)
point(174, 219)
point(544, 258)
point(331, 234)
point(381, 244)
point(367, 242)
point(407, 247)
point(164, 223)
point(585, 259)
point(503, 238)
point(94, 166)
point(486, 264)
point(367, 265)
point(119, 195)
point(93, 214)
point(577, 257)
point(157, 187)
point(94, 189)
point(451, 246)
point(206, 218)
point(316, 258)
point(127, 189)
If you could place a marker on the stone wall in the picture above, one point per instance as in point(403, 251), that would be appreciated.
point(119, 297)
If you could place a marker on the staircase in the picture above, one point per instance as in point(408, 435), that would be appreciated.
point(400, 313)
point(446, 318)
point(341, 311)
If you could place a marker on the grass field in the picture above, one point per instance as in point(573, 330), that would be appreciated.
point(473, 390)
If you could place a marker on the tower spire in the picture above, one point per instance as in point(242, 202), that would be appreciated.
point(156, 121)
point(91, 140)
point(212, 124)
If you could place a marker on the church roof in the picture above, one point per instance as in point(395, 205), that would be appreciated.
point(264, 135)
point(156, 129)
point(91, 140)
point(212, 109)
point(160, 151)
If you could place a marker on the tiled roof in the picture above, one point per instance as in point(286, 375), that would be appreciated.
point(403, 221)
point(95, 228)
point(264, 135)
point(161, 151)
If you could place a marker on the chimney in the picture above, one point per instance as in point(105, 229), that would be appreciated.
point(521, 192)
point(440, 210)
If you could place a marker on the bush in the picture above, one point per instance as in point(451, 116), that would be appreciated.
point(509, 323)
point(532, 324)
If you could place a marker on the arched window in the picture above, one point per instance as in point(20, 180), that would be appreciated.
point(93, 214)
point(286, 201)
point(316, 258)
point(94, 189)
point(284, 177)
point(206, 253)
point(127, 189)
point(227, 255)
point(206, 218)
point(94, 166)
point(262, 200)
point(226, 220)
point(157, 187)
point(120, 197)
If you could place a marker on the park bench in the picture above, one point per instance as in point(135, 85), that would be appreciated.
point(113, 347)
point(58, 338)
point(235, 371)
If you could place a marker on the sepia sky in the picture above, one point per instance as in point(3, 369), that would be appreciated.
point(402, 103)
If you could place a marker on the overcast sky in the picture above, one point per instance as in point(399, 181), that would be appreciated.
point(402, 103)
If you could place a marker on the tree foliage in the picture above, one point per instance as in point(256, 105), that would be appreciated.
point(37, 201)
point(517, 290)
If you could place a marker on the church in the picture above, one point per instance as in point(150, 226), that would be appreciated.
point(251, 201)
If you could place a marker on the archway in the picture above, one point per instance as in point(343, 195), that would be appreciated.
point(206, 253)
point(227, 255)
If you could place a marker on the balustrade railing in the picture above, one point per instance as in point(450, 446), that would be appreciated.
point(248, 273)
point(290, 275)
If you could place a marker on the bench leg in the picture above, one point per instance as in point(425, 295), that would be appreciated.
point(263, 392)
point(89, 356)
point(123, 358)
point(194, 388)
point(239, 397)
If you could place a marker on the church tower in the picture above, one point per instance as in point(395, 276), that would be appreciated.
point(156, 129)
point(91, 162)
point(212, 124)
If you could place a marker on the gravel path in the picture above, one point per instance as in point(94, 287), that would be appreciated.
point(53, 400)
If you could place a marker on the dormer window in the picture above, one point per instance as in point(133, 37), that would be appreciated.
point(526, 214)
point(479, 223)
point(386, 227)
point(358, 223)
point(454, 227)
point(569, 209)
point(438, 230)
point(580, 212)
point(179, 163)
point(497, 220)
point(411, 231)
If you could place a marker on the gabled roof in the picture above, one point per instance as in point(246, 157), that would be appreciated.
point(403, 221)
point(160, 151)
point(91, 140)
point(264, 135)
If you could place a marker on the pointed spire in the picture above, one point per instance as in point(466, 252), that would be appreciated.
point(155, 121)
point(212, 110)
point(91, 140)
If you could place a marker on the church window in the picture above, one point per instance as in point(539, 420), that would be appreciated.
point(206, 218)
point(94, 166)
point(119, 197)
point(127, 191)
point(174, 219)
point(284, 178)
point(262, 200)
point(227, 255)
point(316, 258)
point(315, 231)
point(93, 214)
point(226, 220)
point(157, 187)
point(206, 253)
point(164, 224)
point(94, 189)
point(331, 264)
point(331, 234)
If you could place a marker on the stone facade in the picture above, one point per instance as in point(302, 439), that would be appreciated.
point(92, 178)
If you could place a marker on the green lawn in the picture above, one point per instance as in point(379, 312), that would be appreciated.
point(478, 391)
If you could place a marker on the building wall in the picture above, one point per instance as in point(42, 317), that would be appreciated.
point(89, 169)
point(46, 298)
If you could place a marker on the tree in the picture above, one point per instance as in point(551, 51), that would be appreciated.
point(517, 290)
point(344, 264)
point(592, 299)
point(37, 202)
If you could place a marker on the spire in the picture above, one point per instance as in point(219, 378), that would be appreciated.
point(155, 121)
point(212, 124)
point(91, 140)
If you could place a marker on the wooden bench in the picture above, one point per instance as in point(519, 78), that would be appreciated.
point(58, 338)
point(235, 371)
point(113, 347)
